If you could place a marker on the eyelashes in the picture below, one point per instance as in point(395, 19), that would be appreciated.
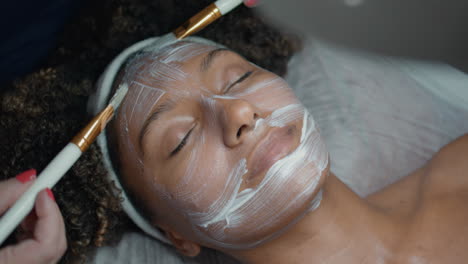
point(241, 79)
point(182, 143)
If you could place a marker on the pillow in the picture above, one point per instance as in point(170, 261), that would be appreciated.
point(381, 117)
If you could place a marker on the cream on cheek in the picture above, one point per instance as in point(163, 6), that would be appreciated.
point(240, 220)
point(207, 190)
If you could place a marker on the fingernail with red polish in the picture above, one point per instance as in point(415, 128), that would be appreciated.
point(26, 176)
point(51, 194)
point(251, 3)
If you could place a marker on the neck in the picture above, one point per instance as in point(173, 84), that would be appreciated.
point(343, 228)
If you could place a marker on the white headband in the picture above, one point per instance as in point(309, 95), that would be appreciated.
point(99, 101)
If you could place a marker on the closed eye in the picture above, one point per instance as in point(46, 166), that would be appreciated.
point(241, 79)
point(181, 144)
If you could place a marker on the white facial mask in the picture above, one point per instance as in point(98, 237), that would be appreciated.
point(210, 198)
point(253, 210)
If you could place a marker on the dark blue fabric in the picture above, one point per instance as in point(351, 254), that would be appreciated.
point(28, 30)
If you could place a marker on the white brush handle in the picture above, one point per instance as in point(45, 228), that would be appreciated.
point(225, 6)
point(47, 179)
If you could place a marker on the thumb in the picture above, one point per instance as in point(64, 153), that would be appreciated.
point(12, 189)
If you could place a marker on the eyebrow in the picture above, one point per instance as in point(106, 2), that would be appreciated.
point(162, 108)
point(209, 58)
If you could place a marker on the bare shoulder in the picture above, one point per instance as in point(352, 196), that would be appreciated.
point(438, 232)
point(447, 172)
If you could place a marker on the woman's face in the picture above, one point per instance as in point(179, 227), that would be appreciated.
point(219, 148)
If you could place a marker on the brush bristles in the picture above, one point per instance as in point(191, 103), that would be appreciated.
point(119, 96)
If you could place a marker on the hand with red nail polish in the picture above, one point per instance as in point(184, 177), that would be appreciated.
point(42, 233)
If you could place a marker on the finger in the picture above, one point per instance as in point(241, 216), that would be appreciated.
point(50, 229)
point(25, 253)
point(12, 189)
point(49, 241)
point(251, 3)
point(29, 222)
point(26, 228)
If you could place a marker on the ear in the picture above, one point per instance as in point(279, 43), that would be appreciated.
point(183, 245)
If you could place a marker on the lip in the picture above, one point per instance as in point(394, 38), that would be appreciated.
point(277, 144)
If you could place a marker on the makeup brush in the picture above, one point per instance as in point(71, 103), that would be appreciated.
point(205, 17)
point(60, 165)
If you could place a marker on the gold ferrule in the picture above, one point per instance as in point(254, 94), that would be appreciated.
point(198, 22)
point(88, 134)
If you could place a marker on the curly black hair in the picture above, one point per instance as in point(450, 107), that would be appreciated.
point(41, 112)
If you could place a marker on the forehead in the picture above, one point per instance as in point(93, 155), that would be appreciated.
point(161, 75)
point(163, 66)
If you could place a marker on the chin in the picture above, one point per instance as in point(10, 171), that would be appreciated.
point(243, 237)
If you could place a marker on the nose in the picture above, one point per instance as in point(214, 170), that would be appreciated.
point(238, 121)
